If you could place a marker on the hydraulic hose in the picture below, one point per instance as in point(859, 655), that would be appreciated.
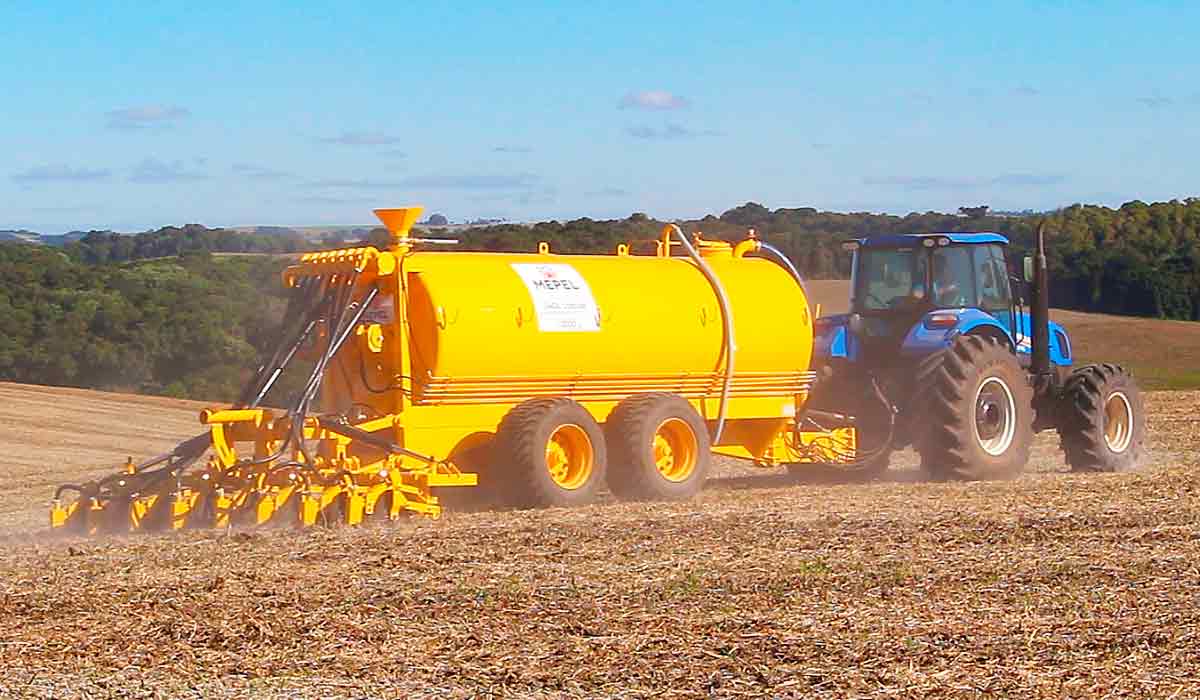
point(338, 335)
point(861, 460)
point(726, 319)
point(337, 338)
point(255, 390)
point(786, 263)
point(372, 439)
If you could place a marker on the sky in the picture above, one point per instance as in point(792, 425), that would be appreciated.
point(136, 115)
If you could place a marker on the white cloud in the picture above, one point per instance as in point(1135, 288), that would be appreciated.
point(941, 182)
point(60, 173)
point(361, 138)
point(517, 181)
point(258, 172)
point(152, 171)
point(653, 99)
point(143, 116)
point(668, 132)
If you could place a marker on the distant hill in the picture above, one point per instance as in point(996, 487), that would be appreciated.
point(309, 233)
point(63, 239)
point(21, 236)
point(57, 240)
point(273, 231)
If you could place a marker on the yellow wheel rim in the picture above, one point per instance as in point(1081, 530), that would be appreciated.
point(676, 449)
point(1118, 422)
point(569, 456)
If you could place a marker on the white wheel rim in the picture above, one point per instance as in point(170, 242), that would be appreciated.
point(1118, 422)
point(995, 414)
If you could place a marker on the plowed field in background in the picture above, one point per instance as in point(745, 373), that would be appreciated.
point(1053, 585)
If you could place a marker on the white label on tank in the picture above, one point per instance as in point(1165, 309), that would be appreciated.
point(562, 300)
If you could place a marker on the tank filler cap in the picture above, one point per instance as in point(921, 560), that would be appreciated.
point(713, 249)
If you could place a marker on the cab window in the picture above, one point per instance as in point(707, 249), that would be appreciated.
point(888, 277)
point(952, 284)
point(992, 274)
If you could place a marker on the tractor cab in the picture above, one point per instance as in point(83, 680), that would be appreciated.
point(899, 282)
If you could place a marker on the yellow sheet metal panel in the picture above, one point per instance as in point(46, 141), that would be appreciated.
point(528, 316)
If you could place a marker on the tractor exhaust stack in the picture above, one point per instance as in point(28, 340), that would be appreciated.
point(1040, 309)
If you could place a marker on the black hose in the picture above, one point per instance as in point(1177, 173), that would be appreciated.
point(78, 488)
point(338, 336)
point(303, 300)
point(861, 460)
point(372, 439)
point(336, 314)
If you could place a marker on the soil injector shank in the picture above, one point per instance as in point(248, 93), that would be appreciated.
point(537, 377)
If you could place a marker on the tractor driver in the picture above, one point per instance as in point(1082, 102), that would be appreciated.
point(945, 287)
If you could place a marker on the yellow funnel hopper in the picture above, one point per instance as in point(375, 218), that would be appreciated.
point(399, 221)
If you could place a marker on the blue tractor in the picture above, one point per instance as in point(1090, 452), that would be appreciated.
point(937, 352)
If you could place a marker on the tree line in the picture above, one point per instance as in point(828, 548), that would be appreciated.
point(157, 313)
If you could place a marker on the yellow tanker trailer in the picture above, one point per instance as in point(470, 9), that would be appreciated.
point(539, 378)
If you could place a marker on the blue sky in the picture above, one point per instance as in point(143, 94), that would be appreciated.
point(127, 116)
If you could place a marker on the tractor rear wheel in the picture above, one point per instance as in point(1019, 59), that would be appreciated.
point(660, 448)
point(1102, 420)
point(975, 419)
point(548, 452)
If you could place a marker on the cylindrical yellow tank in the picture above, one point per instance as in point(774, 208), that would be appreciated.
point(481, 322)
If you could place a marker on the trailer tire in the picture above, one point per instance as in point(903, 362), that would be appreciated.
point(548, 452)
point(975, 416)
point(1101, 420)
point(660, 448)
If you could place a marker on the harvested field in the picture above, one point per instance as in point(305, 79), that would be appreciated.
point(1053, 585)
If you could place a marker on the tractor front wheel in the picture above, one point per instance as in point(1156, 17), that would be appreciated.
point(1101, 421)
point(976, 416)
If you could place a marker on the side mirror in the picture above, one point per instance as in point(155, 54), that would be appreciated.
point(855, 324)
point(1028, 268)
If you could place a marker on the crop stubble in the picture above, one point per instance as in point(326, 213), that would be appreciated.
point(1053, 585)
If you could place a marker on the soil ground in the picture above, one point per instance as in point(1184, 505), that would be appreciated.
point(1052, 585)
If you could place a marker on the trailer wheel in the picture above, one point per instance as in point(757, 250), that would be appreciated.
point(548, 452)
point(660, 448)
point(975, 418)
point(1102, 420)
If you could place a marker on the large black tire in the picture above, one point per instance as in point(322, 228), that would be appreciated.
point(1102, 420)
point(975, 418)
point(631, 431)
point(521, 468)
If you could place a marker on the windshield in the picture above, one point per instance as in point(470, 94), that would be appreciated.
point(945, 277)
point(886, 277)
